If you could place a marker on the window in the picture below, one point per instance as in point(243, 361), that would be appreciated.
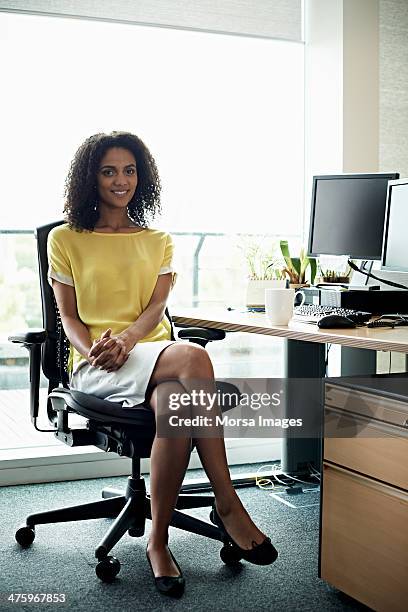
point(223, 116)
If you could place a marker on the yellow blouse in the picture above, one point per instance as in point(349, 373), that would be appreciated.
point(114, 276)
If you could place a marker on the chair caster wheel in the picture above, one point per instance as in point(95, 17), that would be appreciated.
point(229, 555)
point(136, 532)
point(25, 536)
point(108, 569)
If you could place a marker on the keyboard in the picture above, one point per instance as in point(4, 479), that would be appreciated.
point(312, 313)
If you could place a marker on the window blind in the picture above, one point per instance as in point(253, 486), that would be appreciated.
point(265, 18)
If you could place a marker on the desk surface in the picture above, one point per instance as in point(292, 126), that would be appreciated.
point(380, 339)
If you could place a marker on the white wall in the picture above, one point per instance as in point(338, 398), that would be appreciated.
point(394, 86)
point(341, 81)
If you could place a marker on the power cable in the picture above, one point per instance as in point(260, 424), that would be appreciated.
point(371, 275)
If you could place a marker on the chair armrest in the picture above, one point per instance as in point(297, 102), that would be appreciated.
point(201, 333)
point(32, 339)
point(31, 336)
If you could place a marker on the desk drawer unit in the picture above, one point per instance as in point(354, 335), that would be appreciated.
point(364, 539)
point(364, 512)
point(370, 447)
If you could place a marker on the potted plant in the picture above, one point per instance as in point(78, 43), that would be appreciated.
point(334, 276)
point(264, 270)
point(296, 268)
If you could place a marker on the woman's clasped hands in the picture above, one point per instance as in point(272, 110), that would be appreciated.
point(108, 352)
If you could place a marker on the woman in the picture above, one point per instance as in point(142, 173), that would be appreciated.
point(111, 277)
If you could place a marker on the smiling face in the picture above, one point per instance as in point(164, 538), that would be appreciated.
point(116, 178)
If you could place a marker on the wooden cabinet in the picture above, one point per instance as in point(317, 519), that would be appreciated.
point(364, 511)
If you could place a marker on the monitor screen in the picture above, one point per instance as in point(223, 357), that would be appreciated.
point(347, 215)
point(395, 251)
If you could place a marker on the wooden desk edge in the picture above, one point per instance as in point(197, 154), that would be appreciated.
point(304, 332)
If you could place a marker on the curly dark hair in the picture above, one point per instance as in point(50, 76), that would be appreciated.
point(81, 183)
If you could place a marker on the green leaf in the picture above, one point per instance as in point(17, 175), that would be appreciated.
point(297, 265)
point(284, 247)
point(304, 263)
point(313, 269)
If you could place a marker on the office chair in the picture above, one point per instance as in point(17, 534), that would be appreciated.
point(108, 427)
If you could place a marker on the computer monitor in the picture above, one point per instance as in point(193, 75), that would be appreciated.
point(395, 252)
point(347, 215)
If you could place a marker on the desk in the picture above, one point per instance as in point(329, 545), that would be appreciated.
point(304, 357)
point(363, 537)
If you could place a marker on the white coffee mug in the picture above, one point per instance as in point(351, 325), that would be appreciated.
point(279, 305)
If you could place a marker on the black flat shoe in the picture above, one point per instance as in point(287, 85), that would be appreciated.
point(172, 586)
point(261, 554)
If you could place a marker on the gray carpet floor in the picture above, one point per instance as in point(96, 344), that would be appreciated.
point(61, 559)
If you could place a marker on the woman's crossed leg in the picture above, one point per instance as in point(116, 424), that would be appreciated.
point(179, 368)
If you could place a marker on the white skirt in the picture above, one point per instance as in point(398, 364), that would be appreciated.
point(127, 385)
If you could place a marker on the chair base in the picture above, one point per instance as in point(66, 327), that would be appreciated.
point(130, 509)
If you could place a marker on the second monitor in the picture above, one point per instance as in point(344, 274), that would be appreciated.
point(395, 252)
point(347, 215)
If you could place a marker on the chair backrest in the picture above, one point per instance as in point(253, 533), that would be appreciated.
point(55, 351)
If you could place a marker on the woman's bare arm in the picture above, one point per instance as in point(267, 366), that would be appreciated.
point(108, 353)
point(76, 332)
point(147, 321)
point(153, 313)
